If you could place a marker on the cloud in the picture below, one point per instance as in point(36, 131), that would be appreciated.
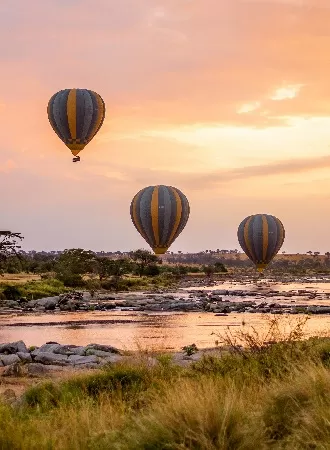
point(291, 166)
point(179, 60)
point(208, 96)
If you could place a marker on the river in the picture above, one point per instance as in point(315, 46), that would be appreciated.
point(129, 330)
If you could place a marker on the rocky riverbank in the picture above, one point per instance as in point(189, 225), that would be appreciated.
point(218, 301)
point(16, 359)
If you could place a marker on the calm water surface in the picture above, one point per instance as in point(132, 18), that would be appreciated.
point(150, 330)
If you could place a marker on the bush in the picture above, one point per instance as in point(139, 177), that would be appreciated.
point(152, 270)
point(71, 280)
point(12, 292)
point(34, 289)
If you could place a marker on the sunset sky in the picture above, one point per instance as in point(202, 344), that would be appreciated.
point(227, 100)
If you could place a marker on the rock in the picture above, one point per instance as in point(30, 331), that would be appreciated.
point(13, 347)
point(111, 359)
point(78, 360)
point(25, 357)
point(13, 370)
point(37, 369)
point(100, 353)
point(49, 348)
point(12, 304)
point(70, 350)
point(7, 360)
point(51, 358)
point(70, 305)
point(103, 348)
point(220, 292)
point(49, 303)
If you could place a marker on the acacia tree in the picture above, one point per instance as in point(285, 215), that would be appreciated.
point(143, 259)
point(74, 263)
point(9, 244)
point(107, 267)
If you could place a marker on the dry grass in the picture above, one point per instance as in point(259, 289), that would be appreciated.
point(270, 396)
point(18, 278)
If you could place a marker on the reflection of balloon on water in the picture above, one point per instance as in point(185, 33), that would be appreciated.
point(76, 115)
point(261, 236)
point(160, 213)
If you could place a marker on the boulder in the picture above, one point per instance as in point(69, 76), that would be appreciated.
point(100, 353)
point(7, 360)
point(25, 357)
point(49, 303)
point(12, 304)
point(51, 358)
point(78, 360)
point(13, 370)
point(111, 359)
point(104, 348)
point(49, 348)
point(70, 350)
point(13, 347)
point(36, 369)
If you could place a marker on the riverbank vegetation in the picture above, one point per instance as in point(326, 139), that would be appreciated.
point(271, 395)
point(81, 269)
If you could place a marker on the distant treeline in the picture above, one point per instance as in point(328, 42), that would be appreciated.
point(179, 263)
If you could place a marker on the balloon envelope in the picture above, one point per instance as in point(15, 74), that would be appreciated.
point(261, 236)
point(76, 115)
point(160, 213)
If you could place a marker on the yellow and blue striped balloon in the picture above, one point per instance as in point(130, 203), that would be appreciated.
point(261, 236)
point(160, 213)
point(76, 115)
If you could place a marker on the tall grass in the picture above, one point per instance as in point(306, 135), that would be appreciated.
point(271, 396)
point(37, 289)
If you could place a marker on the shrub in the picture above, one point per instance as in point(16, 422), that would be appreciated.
point(71, 280)
point(12, 292)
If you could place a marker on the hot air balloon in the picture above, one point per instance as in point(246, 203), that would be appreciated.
point(160, 213)
point(261, 236)
point(76, 115)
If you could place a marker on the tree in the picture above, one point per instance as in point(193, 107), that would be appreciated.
point(104, 267)
point(219, 267)
point(9, 244)
point(209, 270)
point(9, 250)
point(143, 259)
point(113, 267)
point(74, 263)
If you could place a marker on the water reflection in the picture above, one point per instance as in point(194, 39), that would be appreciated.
point(157, 330)
point(161, 331)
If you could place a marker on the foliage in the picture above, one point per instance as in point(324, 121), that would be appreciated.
point(33, 290)
point(151, 270)
point(75, 261)
point(9, 243)
point(113, 267)
point(190, 349)
point(208, 270)
point(11, 292)
point(143, 259)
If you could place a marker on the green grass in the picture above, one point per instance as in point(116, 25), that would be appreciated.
point(275, 397)
point(37, 289)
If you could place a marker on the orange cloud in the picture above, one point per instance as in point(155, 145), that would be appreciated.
point(184, 65)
